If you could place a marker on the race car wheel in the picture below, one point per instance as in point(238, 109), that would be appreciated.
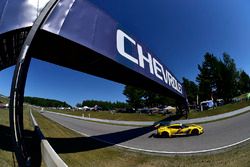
point(195, 132)
point(165, 134)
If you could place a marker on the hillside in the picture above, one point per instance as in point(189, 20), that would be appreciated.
point(45, 102)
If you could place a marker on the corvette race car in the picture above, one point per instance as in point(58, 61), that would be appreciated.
point(178, 130)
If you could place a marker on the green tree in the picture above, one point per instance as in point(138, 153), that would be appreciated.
point(230, 75)
point(244, 82)
point(207, 77)
point(45, 102)
point(191, 90)
point(144, 98)
point(153, 99)
point(134, 96)
point(78, 105)
point(217, 78)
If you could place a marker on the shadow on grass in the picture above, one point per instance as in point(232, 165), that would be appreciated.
point(72, 145)
point(32, 144)
point(5, 139)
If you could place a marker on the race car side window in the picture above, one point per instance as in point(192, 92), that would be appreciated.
point(184, 126)
point(176, 127)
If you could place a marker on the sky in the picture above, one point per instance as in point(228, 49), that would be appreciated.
point(178, 32)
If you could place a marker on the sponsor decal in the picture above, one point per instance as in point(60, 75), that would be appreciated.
point(155, 67)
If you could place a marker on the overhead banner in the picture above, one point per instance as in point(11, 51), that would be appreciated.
point(16, 14)
point(82, 22)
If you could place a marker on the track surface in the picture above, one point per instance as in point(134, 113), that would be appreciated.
point(217, 134)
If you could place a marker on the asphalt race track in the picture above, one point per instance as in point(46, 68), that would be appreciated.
point(217, 135)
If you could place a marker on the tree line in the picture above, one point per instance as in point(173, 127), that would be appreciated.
point(104, 105)
point(217, 79)
point(42, 102)
point(138, 98)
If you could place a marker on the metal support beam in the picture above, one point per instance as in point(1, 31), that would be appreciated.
point(18, 87)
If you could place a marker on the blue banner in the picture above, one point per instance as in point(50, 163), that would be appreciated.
point(84, 23)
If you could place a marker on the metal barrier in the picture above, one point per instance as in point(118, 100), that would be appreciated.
point(49, 156)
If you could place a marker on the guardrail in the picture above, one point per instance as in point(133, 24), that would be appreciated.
point(49, 156)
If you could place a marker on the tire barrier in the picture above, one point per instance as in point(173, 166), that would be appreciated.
point(18, 86)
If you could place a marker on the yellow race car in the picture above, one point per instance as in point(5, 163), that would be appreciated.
point(178, 130)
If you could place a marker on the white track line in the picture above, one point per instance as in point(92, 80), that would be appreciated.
point(159, 152)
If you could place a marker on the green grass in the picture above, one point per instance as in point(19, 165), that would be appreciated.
point(6, 151)
point(115, 116)
point(92, 153)
point(4, 100)
point(7, 157)
point(155, 117)
point(219, 110)
point(88, 152)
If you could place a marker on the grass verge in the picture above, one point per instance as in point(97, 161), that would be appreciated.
point(77, 150)
point(4, 100)
point(7, 157)
point(154, 117)
point(219, 110)
point(114, 116)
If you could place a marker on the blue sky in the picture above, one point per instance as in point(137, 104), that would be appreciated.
point(178, 32)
